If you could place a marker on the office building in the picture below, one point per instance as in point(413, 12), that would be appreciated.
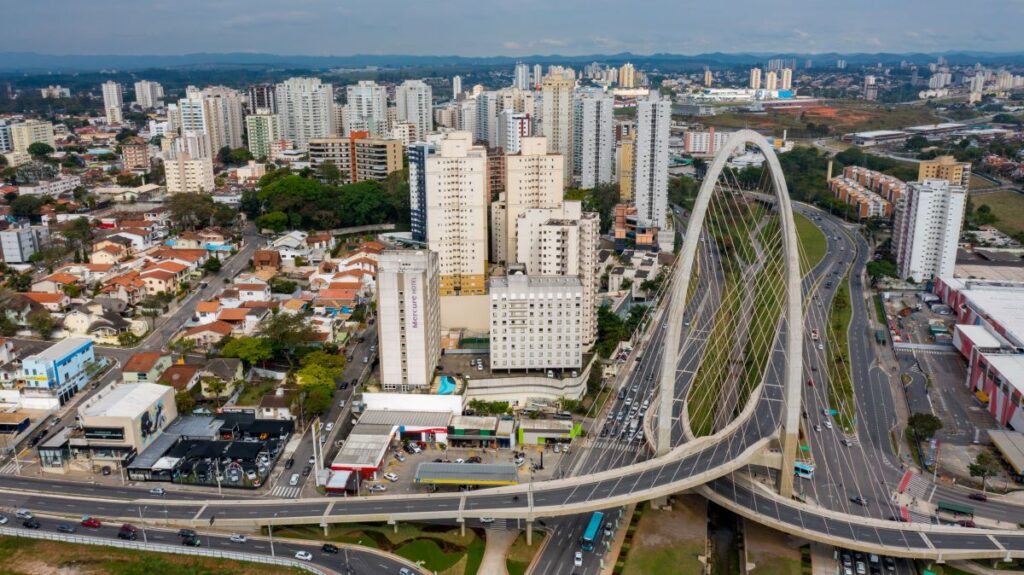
point(771, 81)
point(305, 110)
point(414, 101)
point(408, 318)
point(521, 76)
point(512, 128)
point(124, 420)
point(26, 133)
point(367, 108)
point(359, 157)
point(787, 79)
point(262, 97)
point(456, 87)
point(650, 179)
point(557, 114)
point(19, 243)
point(755, 78)
point(945, 168)
point(456, 183)
point(112, 102)
point(418, 153)
point(57, 373)
point(593, 139)
point(135, 153)
point(533, 179)
point(625, 166)
point(627, 76)
point(536, 322)
point(564, 242)
point(926, 229)
point(149, 95)
point(261, 129)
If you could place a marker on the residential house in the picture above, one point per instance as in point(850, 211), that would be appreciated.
point(292, 245)
point(52, 302)
point(55, 283)
point(109, 254)
point(128, 287)
point(209, 335)
point(267, 260)
point(277, 405)
point(164, 277)
point(182, 377)
point(88, 273)
point(207, 312)
point(227, 370)
point(243, 321)
point(193, 259)
point(253, 292)
point(141, 239)
point(145, 366)
point(123, 247)
point(102, 324)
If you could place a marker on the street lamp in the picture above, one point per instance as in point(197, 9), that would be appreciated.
point(145, 539)
point(271, 528)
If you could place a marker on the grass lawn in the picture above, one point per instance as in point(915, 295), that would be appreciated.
point(255, 391)
point(980, 183)
point(1007, 206)
point(30, 556)
point(840, 389)
point(519, 555)
point(812, 243)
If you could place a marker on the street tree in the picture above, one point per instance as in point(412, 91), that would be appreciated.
point(287, 334)
point(985, 465)
point(40, 150)
point(924, 425)
point(251, 350)
point(42, 323)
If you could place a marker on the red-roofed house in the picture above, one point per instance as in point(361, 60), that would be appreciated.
point(55, 282)
point(181, 377)
point(145, 366)
point(209, 335)
point(53, 302)
point(207, 312)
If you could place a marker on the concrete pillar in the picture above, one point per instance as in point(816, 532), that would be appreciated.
point(462, 527)
point(327, 529)
point(396, 526)
point(529, 533)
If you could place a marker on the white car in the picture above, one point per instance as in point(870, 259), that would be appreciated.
point(304, 555)
point(329, 427)
point(157, 491)
point(236, 538)
point(828, 424)
point(312, 460)
point(3, 520)
point(460, 460)
point(293, 480)
point(487, 520)
point(391, 477)
point(577, 559)
point(378, 488)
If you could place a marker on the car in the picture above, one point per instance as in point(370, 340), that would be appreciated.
point(859, 500)
point(814, 368)
point(487, 520)
point(378, 488)
point(293, 480)
point(391, 477)
point(966, 523)
point(66, 528)
point(23, 514)
point(366, 359)
point(158, 491)
point(341, 404)
point(408, 449)
point(186, 533)
point(329, 427)
point(477, 459)
point(251, 474)
point(238, 538)
point(306, 471)
point(311, 460)
point(328, 548)
point(3, 520)
point(577, 559)
point(978, 496)
point(288, 464)
point(890, 564)
point(31, 524)
point(415, 447)
point(404, 571)
point(304, 555)
point(821, 347)
point(91, 522)
point(628, 402)
point(860, 568)
point(810, 383)
point(607, 530)
point(817, 427)
point(828, 424)
point(399, 456)
point(604, 432)
point(846, 442)
point(192, 542)
point(460, 460)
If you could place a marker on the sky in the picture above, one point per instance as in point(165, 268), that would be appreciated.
point(509, 27)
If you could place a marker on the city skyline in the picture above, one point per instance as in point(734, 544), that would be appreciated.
point(321, 28)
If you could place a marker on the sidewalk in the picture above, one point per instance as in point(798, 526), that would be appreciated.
point(498, 543)
point(822, 560)
point(620, 537)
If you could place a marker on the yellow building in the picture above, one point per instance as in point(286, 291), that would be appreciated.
point(29, 132)
point(945, 168)
point(626, 152)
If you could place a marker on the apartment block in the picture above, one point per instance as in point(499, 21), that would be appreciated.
point(533, 179)
point(536, 322)
point(408, 318)
point(945, 168)
point(26, 133)
point(358, 156)
point(926, 229)
point(593, 139)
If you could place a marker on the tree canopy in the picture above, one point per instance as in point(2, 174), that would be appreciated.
point(40, 149)
point(924, 425)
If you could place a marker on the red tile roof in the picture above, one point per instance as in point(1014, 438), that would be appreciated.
point(142, 361)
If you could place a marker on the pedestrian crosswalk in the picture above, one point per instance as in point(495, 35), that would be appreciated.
point(919, 488)
point(918, 517)
point(499, 524)
point(10, 468)
point(285, 492)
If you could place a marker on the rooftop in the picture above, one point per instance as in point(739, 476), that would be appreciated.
point(61, 349)
point(437, 419)
point(362, 450)
point(467, 473)
point(125, 400)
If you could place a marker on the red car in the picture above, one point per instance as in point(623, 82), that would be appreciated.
point(91, 522)
point(810, 382)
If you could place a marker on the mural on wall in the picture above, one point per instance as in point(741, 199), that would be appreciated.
point(152, 421)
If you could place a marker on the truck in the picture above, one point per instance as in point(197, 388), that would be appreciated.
point(814, 335)
point(634, 424)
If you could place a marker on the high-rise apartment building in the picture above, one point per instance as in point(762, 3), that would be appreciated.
point(418, 153)
point(564, 242)
point(113, 102)
point(650, 179)
point(704, 142)
point(305, 110)
point(6, 142)
point(533, 179)
point(26, 133)
point(188, 164)
point(627, 76)
point(414, 102)
point(870, 88)
point(593, 139)
point(926, 229)
point(261, 129)
point(787, 79)
point(771, 81)
point(485, 124)
point(358, 157)
point(945, 168)
point(512, 128)
point(408, 318)
point(456, 87)
point(625, 164)
point(535, 77)
point(223, 113)
point(367, 108)
point(755, 78)
point(536, 322)
point(262, 97)
point(149, 95)
point(135, 153)
point(456, 183)
point(521, 76)
point(19, 243)
point(557, 114)
point(709, 78)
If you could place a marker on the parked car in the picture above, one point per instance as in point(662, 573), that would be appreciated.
point(238, 538)
point(391, 477)
point(329, 427)
point(399, 456)
point(378, 488)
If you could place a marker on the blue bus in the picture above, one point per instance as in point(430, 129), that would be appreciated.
point(803, 470)
point(590, 535)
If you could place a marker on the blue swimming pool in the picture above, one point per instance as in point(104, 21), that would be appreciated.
point(447, 386)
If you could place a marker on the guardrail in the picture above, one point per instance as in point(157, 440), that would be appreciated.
point(161, 548)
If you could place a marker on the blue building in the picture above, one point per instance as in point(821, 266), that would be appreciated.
point(418, 153)
point(55, 374)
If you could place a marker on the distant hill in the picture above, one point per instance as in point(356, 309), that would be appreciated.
point(36, 62)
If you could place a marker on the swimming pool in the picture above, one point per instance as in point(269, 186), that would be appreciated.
point(447, 386)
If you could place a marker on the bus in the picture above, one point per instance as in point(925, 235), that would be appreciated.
point(803, 470)
point(954, 511)
point(590, 535)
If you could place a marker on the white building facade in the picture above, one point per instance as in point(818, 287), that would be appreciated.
point(926, 229)
point(650, 164)
point(533, 179)
point(536, 322)
point(408, 318)
point(367, 109)
point(414, 100)
point(112, 102)
point(305, 109)
point(593, 138)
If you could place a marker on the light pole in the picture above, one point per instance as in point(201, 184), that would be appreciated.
point(145, 539)
point(271, 528)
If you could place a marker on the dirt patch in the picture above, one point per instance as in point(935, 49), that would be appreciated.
point(687, 520)
point(764, 542)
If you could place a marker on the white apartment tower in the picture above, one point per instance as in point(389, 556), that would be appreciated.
point(414, 99)
point(650, 161)
point(457, 201)
point(522, 77)
point(557, 114)
point(926, 228)
point(538, 72)
point(533, 179)
point(755, 78)
point(305, 110)
point(512, 128)
point(367, 108)
point(564, 242)
point(456, 87)
point(787, 79)
point(112, 102)
point(188, 164)
point(223, 116)
point(149, 95)
point(536, 322)
point(593, 138)
point(408, 318)
point(771, 81)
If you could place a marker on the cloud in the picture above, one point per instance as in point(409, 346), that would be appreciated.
point(251, 19)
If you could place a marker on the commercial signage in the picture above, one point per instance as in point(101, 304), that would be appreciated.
point(104, 433)
point(414, 302)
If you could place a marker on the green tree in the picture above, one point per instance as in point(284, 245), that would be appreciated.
point(190, 211)
point(212, 265)
point(323, 358)
point(42, 323)
point(40, 150)
point(318, 399)
point(215, 386)
point(19, 282)
point(27, 206)
point(184, 401)
point(276, 221)
point(328, 173)
point(287, 334)
point(279, 285)
point(239, 156)
point(251, 350)
point(985, 465)
point(881, 268)
point(924, 425)
point(127, 339)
